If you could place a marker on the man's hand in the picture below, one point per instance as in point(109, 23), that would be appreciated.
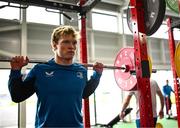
point(98, 67)
point(122, 115)
point(18, 62)
point(161, 114)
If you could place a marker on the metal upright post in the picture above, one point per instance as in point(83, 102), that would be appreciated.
point(172, 55)
point(179, 5)
point(83, 59)
point(22, 105)
point(142, 64)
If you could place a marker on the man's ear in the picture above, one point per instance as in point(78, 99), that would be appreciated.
point(54, 46)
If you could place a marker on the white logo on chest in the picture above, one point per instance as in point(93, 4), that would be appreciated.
point(80, 75)
point(49, 74)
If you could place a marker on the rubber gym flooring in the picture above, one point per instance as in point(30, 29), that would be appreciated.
point(167, 123)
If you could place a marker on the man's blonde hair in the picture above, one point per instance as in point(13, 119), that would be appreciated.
point(63, 31)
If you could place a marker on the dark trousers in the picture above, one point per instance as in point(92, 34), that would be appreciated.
point(168, 104)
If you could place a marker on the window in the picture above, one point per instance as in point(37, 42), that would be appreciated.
point(8, 109)
point(104, 21)
point(31, 110)
point(176, 33)
point(40, 15)
point(9, 12)
point(106, 104)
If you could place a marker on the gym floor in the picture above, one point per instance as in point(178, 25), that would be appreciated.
point(166, 123)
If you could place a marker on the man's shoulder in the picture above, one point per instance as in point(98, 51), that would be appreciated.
point(153, 82)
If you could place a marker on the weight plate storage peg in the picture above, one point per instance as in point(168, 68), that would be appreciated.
point(154, 12)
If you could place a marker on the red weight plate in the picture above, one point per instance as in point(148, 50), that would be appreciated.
point(125, 80)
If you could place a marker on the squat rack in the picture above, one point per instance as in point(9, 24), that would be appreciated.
point(171, 25)
point(141, 63)
point(140, 49)
point(174, 23)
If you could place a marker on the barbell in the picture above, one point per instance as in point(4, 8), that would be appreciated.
point(124, 68)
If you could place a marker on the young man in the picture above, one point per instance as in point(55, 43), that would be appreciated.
point(167, 97)
point(60, 84)
point(154, 90)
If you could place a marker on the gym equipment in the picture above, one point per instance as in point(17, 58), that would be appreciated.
point(124, 68)
point(177, 59)
point(8, 59)
point(125, 80)
point(159, 125)
point(174, 65)
point(154, 12)
point(116, 119)
point(173, 5)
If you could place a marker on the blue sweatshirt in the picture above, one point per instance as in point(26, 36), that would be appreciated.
point(59, 90)
point(167, 90)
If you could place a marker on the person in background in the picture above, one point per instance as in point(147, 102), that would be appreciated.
point(60, 84)
point(154, 90)
point(167, 97)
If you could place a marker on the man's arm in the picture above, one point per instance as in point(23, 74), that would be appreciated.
point(94, 81)
point(91, 85)
point(124, 106)
point(172, 89)
point(161, 113)
point(164, 90)
point(20, 90)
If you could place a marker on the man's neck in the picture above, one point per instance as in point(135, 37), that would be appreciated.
point(63, 61)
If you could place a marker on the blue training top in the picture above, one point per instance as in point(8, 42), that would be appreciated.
point(167, 90)
point(59, 90)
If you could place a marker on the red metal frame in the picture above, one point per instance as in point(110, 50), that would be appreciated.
point(83, 59)
point(140, 53)
point(179, 5)
point(172, 48)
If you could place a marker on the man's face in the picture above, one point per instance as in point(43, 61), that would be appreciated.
point(66, 47)
point(167, 81)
